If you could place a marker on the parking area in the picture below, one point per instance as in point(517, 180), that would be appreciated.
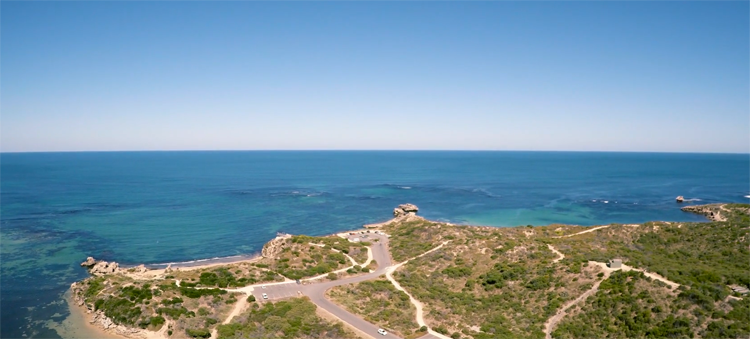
point(276, 292)
point(428, 336)
point(366, 235)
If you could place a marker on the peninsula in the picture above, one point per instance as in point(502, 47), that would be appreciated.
point(414, 278)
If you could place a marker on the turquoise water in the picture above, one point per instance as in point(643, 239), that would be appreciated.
point(157, 207)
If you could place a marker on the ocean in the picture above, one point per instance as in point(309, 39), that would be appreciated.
point(161, 207)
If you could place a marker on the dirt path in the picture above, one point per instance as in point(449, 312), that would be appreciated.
point(552, 322)
point(549, 326)
point(417, 304)
point(582, 232)
point(625, 268)
point(560, 256)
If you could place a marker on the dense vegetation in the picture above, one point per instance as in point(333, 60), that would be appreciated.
point(303, 256)
point(290, 319)
point(413, 238)
point(628, 305)
point(141, 304)
point(507, 276)
point(704, 257)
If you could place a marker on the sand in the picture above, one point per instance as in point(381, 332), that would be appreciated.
point(77, 326)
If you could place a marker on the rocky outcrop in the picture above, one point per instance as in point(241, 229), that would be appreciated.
point(77, 290)
point(711, 211)
point(402, 213)
point(680, 199)
point(272, 248)
point(89, 262)
point(140, 269)
point(405, 209)
point(103, 267)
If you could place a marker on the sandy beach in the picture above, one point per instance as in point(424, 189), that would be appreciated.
point(77, 325)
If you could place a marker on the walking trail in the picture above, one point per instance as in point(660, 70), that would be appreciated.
point(552, 322)
point(582, 232)
point(560, 256)
point(417, 304)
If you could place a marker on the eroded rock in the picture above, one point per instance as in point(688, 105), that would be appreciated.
point(89, 262)
point(103, 267)
point(405, 209)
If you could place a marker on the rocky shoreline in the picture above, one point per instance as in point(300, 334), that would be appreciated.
point(713, 212)
point(404, 212)
point(101, 321)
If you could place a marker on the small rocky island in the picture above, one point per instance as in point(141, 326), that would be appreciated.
point(416, 278)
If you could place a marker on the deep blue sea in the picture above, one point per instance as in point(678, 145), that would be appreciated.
point(157, 207)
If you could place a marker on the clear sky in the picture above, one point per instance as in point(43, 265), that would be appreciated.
point(600, 76)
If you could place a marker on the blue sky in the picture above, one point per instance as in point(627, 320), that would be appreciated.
point(586, 76)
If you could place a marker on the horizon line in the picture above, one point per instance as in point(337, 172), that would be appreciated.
point(366, 150)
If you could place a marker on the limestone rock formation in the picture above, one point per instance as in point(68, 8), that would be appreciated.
point(89, 262)
point(272, 248)
point(141, 268)
point(680, 199)
point(103, 267)
point(405, 209)
point(711, 211)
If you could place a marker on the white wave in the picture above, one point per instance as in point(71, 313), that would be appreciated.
point(197, 261)
point(747, 196)
point(694, 199)
point(606, 202)
point(405, 187)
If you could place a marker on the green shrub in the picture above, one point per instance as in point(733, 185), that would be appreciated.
point(198, 333)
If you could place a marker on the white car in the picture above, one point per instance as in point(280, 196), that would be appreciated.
point(382, 331)
point(265, 296)
point(263, 287)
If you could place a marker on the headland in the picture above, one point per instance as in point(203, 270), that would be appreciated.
point(417, 278)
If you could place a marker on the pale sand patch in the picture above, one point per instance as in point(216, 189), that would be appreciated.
point(77, 325)
point(582, 232)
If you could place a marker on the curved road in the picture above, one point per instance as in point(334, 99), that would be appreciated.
point(316, 291)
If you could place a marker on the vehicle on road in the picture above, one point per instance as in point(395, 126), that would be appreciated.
point(382, 331)
point(265, 296)
point(263, 287)
point(298, 282)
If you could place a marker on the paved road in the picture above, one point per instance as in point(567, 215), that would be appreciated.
point(316, 291)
